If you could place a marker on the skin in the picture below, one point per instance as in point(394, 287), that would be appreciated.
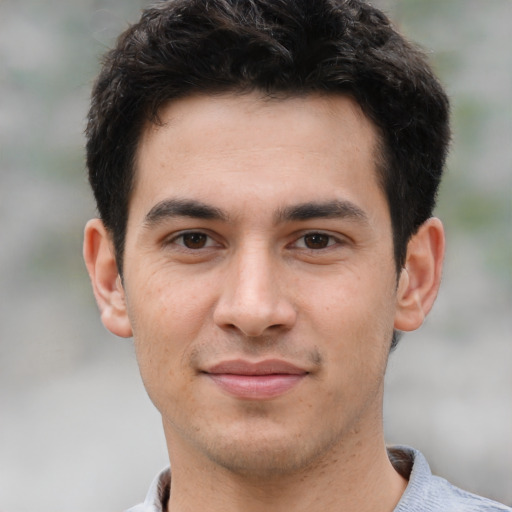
point(257, 231)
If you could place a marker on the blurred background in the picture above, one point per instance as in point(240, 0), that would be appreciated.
point(77, 431)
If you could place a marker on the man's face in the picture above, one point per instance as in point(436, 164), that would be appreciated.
point(259, 278)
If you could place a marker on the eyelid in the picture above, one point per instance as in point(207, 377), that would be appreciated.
point(335, 239)
point(173, 239)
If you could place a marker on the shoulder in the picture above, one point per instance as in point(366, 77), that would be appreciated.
point(136, 508)
point(428, 493)
point(459, 500)
point(158, 494)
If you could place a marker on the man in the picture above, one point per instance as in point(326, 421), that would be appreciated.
point(265, 173)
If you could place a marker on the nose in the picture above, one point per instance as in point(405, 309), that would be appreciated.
point(252, 299)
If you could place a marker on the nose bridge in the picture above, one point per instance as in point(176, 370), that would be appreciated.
point(255, 280)
point(252, 299)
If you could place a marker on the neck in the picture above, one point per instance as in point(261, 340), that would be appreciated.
point(355, 476)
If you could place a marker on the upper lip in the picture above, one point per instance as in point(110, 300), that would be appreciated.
point(266, 367)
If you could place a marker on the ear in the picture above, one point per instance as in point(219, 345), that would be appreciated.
point(106, 282)
point(421, 276)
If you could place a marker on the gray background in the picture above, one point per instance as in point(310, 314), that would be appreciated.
point(77, 431)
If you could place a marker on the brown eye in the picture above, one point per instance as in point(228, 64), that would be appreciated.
point(316, 241)
point(195, 240)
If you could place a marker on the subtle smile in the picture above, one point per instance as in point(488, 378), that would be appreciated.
point(256, 381)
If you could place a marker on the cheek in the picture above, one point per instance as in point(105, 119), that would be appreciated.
point(167, 315)
point(169, 305)
point(351, 303)
point(353, 322)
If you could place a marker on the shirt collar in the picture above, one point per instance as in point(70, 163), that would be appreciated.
point(158, 494)
point(408, 462)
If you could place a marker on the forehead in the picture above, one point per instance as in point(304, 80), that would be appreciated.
point(207, 114)
point(251, 143)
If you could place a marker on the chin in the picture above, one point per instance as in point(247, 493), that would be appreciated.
point(258, 463)
point(266, 453)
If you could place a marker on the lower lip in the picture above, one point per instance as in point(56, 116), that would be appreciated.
point(256, 387)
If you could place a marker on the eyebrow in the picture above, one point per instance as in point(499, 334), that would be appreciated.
point(327, 210)
point(170, 208)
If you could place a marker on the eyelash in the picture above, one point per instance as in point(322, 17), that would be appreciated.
point(182, 236)
point(321, 238)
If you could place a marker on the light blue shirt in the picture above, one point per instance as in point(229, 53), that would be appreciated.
point(424, 493)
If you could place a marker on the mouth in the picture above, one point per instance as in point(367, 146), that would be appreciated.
point(262, 380)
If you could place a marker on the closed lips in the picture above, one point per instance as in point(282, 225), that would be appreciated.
point(256, 381)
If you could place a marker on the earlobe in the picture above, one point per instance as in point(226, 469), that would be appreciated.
point(107, 286)
point(420, 279)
